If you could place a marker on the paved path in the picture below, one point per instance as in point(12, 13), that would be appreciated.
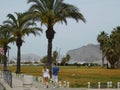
point(17, 84)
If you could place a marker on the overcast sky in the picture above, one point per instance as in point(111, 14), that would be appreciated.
point(100, 15)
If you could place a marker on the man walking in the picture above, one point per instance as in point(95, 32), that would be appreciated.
point(55, 75)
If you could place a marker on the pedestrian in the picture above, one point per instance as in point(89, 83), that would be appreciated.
point(55, 75)
point(46, 76)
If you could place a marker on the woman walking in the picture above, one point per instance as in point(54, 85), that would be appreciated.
point(45, 76)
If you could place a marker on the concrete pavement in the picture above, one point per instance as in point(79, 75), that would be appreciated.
point(17, 84)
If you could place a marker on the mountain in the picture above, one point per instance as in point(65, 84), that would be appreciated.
point(28, 57)
point(86, 54)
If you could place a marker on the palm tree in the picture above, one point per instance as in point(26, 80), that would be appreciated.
point(67, 58)
point(111, 54)
point(116, 37)
point(5, 39)
point(55, 56)
point(102, 38)
point(63, 62)
point(21, 25)
point(50, 12)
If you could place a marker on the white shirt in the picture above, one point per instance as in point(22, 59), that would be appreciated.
point(46, 73)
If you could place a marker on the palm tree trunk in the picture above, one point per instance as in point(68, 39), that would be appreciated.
point(50, 35)
point(5, 57)
point(49, 56)
point(18, 69)
point(5, 62)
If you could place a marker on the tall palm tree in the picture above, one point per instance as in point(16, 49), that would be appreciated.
point(116, 36)
point(21, 25)
point(111, 54)
point(6, 37)
point(102, 38)
point(50, 12)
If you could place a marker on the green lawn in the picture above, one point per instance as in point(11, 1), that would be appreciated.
point(78, 76)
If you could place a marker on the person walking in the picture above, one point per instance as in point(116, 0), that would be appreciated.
point(55, 75)
point(46, 76)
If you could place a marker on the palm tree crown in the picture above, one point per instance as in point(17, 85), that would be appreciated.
point(50, 12)
point(20, 26)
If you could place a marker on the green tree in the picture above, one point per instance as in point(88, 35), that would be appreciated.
point(102, 38)
point(21, 25)
point(116, 37)
point(63, 62)
point(50, 12)
point(111, 53)
point(55, 56)
point(6, 38)
point(67, 58)
point(44, 60)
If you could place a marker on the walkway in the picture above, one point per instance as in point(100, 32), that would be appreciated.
point(17, 84)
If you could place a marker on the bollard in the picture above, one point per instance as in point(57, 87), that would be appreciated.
point(118, 84)
point(64, 83)
point(60, 84)
point(51, 81)
point(108, 84)
point(38, 79)
point(68, 84)
point(88, 84)
point(99, 85)
point(27, 81)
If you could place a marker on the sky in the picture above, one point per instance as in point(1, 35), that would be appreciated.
point(101, 15)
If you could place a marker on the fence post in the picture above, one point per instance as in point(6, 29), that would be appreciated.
point(118, 84)
point(64, 83)
point(110, 84)
point(68, 84)
point(60, 84)
point(88, 84)
point(99, 85)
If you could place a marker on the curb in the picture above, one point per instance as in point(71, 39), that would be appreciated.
point(5, 85)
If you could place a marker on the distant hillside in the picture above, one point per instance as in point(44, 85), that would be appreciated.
point(86, 54)
point(28, 57)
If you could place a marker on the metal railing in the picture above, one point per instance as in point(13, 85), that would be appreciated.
point(8, 77)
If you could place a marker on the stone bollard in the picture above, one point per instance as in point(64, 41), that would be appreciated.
point(108, 84)
point(64, 83)
point(99, 85)
point(40, 79)
point(118, 84)
point(88, 84)
point(27, 81)
point(51, 81)
point(68, 84)
point(60, 84)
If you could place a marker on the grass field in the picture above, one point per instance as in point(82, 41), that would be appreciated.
point(78, 76)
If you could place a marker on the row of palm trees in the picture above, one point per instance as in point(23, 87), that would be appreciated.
point(110, 47)
point(48, 13)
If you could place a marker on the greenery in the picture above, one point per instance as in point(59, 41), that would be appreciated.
point(78, 76)
point(50, 12)
point(110, 46)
